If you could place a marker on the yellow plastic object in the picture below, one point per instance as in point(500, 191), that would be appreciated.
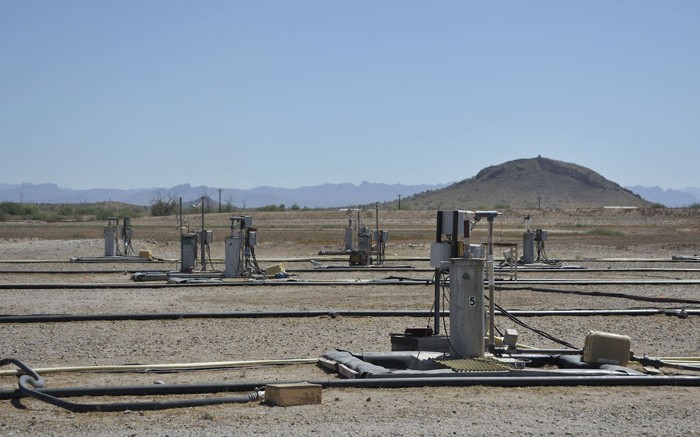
point(145, 254)
point(273, 270)
point(605, 348)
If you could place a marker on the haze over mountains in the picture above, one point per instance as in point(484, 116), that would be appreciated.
point(320, 196)
point(523, 183)
point(669, 197)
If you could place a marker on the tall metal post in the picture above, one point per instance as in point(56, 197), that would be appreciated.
point(376, 216)
point(181, 219)
point(438, 273)
point(492, 285)
point(203, 238)
point(182, 251)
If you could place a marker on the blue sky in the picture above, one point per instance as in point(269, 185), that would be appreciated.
point(237, 94)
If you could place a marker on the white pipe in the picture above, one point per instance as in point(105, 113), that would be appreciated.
point(171, 366)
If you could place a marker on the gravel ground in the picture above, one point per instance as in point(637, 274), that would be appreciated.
point(416, 411)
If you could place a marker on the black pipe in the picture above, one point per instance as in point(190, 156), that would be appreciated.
point(605, 294)
point(46, 318)
point(585, 282)
point(26, 381)
point(401, 258)
point(59, 318)
point(140, 390)
point(505, 284)
point(78, 272)
point(632, 260)
point(331, 268)
point(270, 282)
point(372, 268)
point(500, 270)
point(438, 381)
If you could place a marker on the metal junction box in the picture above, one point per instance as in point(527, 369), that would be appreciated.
point(447, 222)
point(540, 235)
point(439, 252)
point(381, 236)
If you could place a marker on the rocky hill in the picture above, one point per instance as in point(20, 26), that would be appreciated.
point(529, 183)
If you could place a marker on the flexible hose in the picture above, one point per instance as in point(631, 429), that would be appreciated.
point(680, 364)
point(539, 332)
point(27, 387)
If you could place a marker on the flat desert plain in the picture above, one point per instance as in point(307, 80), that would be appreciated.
point(628, 246)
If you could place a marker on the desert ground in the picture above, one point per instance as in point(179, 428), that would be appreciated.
point(620, 244)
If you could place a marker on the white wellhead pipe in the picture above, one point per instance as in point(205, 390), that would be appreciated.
point(467, 307)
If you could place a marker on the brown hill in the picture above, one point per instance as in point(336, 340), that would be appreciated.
point(529, 183)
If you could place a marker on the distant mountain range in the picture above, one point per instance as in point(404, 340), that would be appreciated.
point(553, 183)
point(319, 196)
point(669, 197)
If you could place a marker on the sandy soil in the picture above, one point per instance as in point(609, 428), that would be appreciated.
point(580, 237)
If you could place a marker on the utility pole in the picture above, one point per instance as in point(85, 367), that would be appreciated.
point(376, 216)
point(399, 202)
point(219, 199)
